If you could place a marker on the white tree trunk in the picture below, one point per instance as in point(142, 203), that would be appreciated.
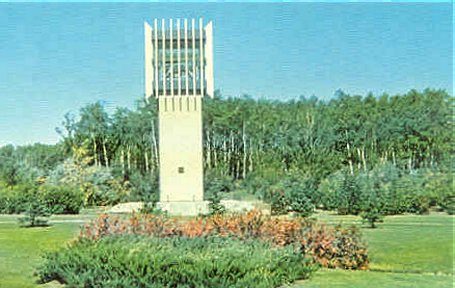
point(244, 152)
point(106, 160)
point(122, 160)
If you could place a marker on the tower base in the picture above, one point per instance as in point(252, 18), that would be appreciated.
point(184, 208)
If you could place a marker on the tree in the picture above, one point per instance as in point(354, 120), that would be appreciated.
point(36, 211)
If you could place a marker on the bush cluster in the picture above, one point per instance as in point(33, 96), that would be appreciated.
point(383, 190)
point(386, 190)
point(329, 246)
point(139, 261)
point(24, 198)
point(72, 186)
point(13, 200)
point(292, 193)
point(61, 199)
point(97, 183)
point(55, 199)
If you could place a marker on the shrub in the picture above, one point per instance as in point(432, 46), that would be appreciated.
point(291, 194)
point(301, 204)
point(442, 190)
point(372, 204)
point(35, 210)
point(415, 199)
point(372, 216)
point(394, 191)
point(330, 247)
point(301, 193)
point(96, 183)
point(447, 203)
point(134, 261)
point(57, 199)
point(5, 202)
point(61, 199)
point(35, 214)
point(143, 188)
point(327, 190)
point(215, 206)
point(349, 196)
point(349, 250)
point(13, 200)
point(400, 191)
point(279, 203)
point(216, 184)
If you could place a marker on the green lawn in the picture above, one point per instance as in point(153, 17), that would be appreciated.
point(20, 248)
point(405, 251)
point(368, 279)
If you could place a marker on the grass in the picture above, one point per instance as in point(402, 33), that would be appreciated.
point(429, 244)
point(368, 279)
point(405, 251)
point(21, 248)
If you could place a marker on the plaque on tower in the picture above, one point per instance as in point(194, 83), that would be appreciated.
point(178, 74)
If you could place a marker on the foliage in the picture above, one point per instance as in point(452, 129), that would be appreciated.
point(132, 261)
point(27, 163)
point(386, 190)
point(35, 210)
point(215, 206)
point(61, 199)
point(372, 216)
point(275, 194)
point(328, 190)
point(249, 141)
point(151, 208)
point(441, 187)
point(330, 247)
point(143, 188)
point(372, 206)
point(291, 194)
point(349, 249)
point(413, 248)
point(216, 187)
point(8, 166)
point(35, 215)
point(216, 184)
point(349, 196)
point(447, 203)
point(409, 195)
point(13, 200)
point(97, 183)
point(301, 194)
point(55, 199)
point(400, 146)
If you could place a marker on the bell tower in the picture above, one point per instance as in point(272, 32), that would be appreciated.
point(178, 74)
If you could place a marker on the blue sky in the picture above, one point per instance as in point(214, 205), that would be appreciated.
point(58, 57)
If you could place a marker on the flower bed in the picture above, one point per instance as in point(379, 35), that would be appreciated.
point(332, 247)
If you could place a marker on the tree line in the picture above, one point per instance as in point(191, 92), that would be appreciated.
point(248, 140)
point(245, 136)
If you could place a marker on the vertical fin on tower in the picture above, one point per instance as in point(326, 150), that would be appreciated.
point(148, 53)
point(209, 59)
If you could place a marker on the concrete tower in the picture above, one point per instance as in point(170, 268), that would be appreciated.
point(179, 73)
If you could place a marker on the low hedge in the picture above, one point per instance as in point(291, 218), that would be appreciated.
point(141, 261)
point(57, 199)
point(15, 199)
point(61, 199)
